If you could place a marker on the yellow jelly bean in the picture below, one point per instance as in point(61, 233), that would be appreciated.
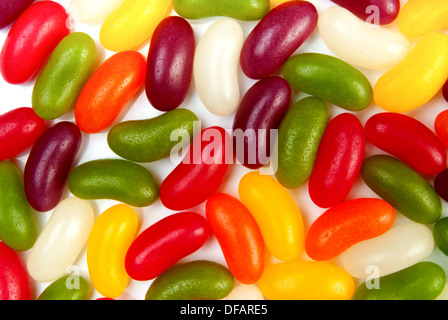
point(420, 17)
point(276, 214)
point(306, 280)
point(132, 23)
point(110, 238)
point(417, 79)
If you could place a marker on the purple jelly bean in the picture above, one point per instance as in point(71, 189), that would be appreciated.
point(258, 116)
point(374, 11)
point(445, 90)
point(49, 164)
point(441, 184)
point(275, 38)
point(10, 10)
point(170, 63)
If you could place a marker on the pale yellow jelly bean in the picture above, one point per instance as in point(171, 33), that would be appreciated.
point(61, 241)
point(306, 280)
point(93, 11)
point(215, 66)
point(420, 17)
point(245, 292)
point(417, 79)
point(397, 249)
point(360, 43)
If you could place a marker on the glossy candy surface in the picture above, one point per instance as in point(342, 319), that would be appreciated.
point(441, 127)
point(275, 38)
point(445, 91)
point(373, 11)
point(238, 235)
point(14, 281)
point(19, 130)
point(49, 163)
point(441, 184)
point(31, 40)
point(108, 90)
point(73, 287)
point(245, 292)
point(170, 63)
point(88, 11)
point(11, 10)
point(164, 243)
point(440, 232)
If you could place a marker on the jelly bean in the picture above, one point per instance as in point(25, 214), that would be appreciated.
point(299, 136)
point(31, 40)
point(132, 23)
point(62, 79)
point(49, 163)
point(11, 10)
point(239, 9)
point(275, 38)
point(110, 238)
point(14, 281)
point(403, 187)
point(419, 17)
point(397, 249)
point(422, 281)
point(359, 43)
point(150, 139)
point(115, 179)
point(201, 171)
point(196, 280)
point(61, 240)
point(306, 280)
point(403, 137)
point(338, 161)
point(18, 229)
point(164, 243)
point(108, 90)
point(73, 287)
point(215, 66)
point(245, 292)
point(329, 78)
point(346, 224)
point(170, 63)
point(260, 111)
point(277, 215)
point(445, 91)
point(238, 235)
point(373, 11)
point(417, 79)
point(88, 11)
point(19, 130)
point(440, 232)
point(441, 184)
point(441, 127)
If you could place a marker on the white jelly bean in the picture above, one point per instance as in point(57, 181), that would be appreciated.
point(245, 292)
point(61, 241)
point(395, 250)
point(360, 43)
point(93, 11)
point(216, 66)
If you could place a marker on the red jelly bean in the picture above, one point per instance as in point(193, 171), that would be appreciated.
point(338, 162)
point(441, 127)
point(386, 10)
point(11, 10)
point(19, 129)
point(170, 63)
point(164, 243)
point(14, 281)
point(200, 173)
point(275, 38)
point(31, 40)
point(49, 163)
point(407, 139)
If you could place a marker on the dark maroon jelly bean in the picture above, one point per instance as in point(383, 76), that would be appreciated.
point(441, 184)
point(49, 164)
point(258, 116)
point(366, 9)
point(170, 63)
point(10, 10)
point(275, 38)
point(445, 91)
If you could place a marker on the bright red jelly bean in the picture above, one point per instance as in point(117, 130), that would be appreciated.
point(14, 280)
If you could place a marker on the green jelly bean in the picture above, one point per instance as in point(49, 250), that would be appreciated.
point(403, 187)
point(239, 9)
point(422, 281)
point(63, 77)
point(440, 232)
point(329, 78)
point(114, 179)
point(67, 288)
point(299, 136)
point(18, 229)
point(150, 140)
point(196, 280)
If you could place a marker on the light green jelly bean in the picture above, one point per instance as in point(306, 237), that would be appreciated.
point(151, 140)
point(239, 9)
point(18, 228)
point(329, 78)
point(67, 288)
point(114, 179)
point(63, 77)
